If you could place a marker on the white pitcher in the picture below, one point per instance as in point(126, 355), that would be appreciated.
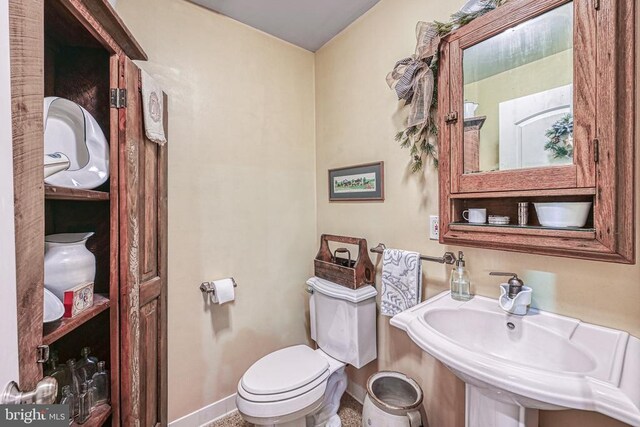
point(67, 262)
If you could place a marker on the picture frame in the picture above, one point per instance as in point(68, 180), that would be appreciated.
point(360, 183)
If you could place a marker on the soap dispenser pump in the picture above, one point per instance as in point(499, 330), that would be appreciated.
point(460, 281)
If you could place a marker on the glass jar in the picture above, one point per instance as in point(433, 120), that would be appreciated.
point(87, 365)
point(74, 379)
point(101, 384)
point(59, 373)
point(84, 405)
point(68, 398)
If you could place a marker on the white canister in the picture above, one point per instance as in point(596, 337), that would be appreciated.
point(393, 400)
point(67, 262)
point(470, 109)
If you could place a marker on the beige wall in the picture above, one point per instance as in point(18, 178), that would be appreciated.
point(357, 117)
point(241, 190)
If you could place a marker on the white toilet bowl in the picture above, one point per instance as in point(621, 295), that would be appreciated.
point(295, 386)
point(298, 386)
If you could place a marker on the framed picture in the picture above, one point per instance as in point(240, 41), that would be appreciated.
point(357, 183)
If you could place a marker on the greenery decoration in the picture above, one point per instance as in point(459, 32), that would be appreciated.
point(422, 141)
point(560, 138)
point(460, 18)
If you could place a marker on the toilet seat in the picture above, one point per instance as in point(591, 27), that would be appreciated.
point(285, 382)
point(286, 370)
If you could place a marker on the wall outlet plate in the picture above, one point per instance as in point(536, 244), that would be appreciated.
point(434, 227)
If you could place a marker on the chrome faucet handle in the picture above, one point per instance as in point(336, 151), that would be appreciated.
point(499, 273)
point(515, 284)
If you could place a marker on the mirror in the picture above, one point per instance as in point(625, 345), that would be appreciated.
point(518, 96)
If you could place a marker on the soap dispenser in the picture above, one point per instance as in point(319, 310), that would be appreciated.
point(460, 281)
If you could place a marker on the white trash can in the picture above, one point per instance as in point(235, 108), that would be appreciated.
point(393, 400)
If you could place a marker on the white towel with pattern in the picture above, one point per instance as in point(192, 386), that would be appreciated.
point(401, 281)
point(153, 109)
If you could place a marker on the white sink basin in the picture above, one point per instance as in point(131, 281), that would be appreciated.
point(538, 361)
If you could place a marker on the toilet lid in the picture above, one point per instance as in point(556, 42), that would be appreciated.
point(284, 370)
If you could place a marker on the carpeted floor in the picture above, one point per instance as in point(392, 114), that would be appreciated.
point(350, 413)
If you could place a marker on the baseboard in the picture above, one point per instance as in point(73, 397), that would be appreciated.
point(356, 391)
point(208, 414)
point(224, 407)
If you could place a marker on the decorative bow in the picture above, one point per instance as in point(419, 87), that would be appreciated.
point(412, 78)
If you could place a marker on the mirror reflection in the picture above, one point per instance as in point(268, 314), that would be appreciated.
point(518, 93)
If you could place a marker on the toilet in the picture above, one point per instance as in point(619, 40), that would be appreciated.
point(300, 386)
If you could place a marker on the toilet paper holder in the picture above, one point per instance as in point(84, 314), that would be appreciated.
point(207, 287)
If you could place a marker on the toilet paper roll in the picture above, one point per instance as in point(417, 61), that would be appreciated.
point(224, 291)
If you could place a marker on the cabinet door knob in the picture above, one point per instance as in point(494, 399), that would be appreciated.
point(45, 393)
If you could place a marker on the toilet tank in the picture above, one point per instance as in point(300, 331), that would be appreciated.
point(343, 321)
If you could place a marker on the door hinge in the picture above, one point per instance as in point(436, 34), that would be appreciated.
point(452, 117)
point(596, 150)
point(596, 4)
point(43, 353)
point(118, 98)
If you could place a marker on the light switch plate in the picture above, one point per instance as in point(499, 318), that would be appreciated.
point(434, 227)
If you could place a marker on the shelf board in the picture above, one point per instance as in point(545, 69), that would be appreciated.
point(60, 193)
point(576, 233)
point(527, 193)
point(98, 417)
point(100, 304)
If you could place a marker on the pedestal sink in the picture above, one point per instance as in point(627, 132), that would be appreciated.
point(515, 365)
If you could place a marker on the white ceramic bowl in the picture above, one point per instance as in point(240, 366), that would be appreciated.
point(71, 130)
point(53, 308)
point(563, 214)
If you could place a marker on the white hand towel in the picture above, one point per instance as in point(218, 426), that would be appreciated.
point(401, 281)
point(153, 109)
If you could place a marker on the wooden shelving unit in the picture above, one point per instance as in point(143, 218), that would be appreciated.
point(529, 230)
point(81, 50)
point(100, 304)
point(526, 193)
point(60, 193)
point(98, 417)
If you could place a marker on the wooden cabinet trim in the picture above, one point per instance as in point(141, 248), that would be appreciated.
point(114, 286)
point(563, 247)
point(519, 179)
point(116, 28)
point(26, 41)
point(509, 15)
point(99, 18)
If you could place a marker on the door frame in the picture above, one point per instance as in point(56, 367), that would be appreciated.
point(8, 304)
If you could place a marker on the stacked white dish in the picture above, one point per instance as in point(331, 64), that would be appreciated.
point(498, 220)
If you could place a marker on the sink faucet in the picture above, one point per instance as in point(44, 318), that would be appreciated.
point(515, 297)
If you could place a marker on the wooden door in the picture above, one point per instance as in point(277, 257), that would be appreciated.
point(143, 263)
point(9, 370)
point(26, 42)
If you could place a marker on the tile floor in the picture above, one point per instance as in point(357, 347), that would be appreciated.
point(350, 413)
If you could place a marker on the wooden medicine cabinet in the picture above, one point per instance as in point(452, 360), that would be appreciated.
point(536, 104)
